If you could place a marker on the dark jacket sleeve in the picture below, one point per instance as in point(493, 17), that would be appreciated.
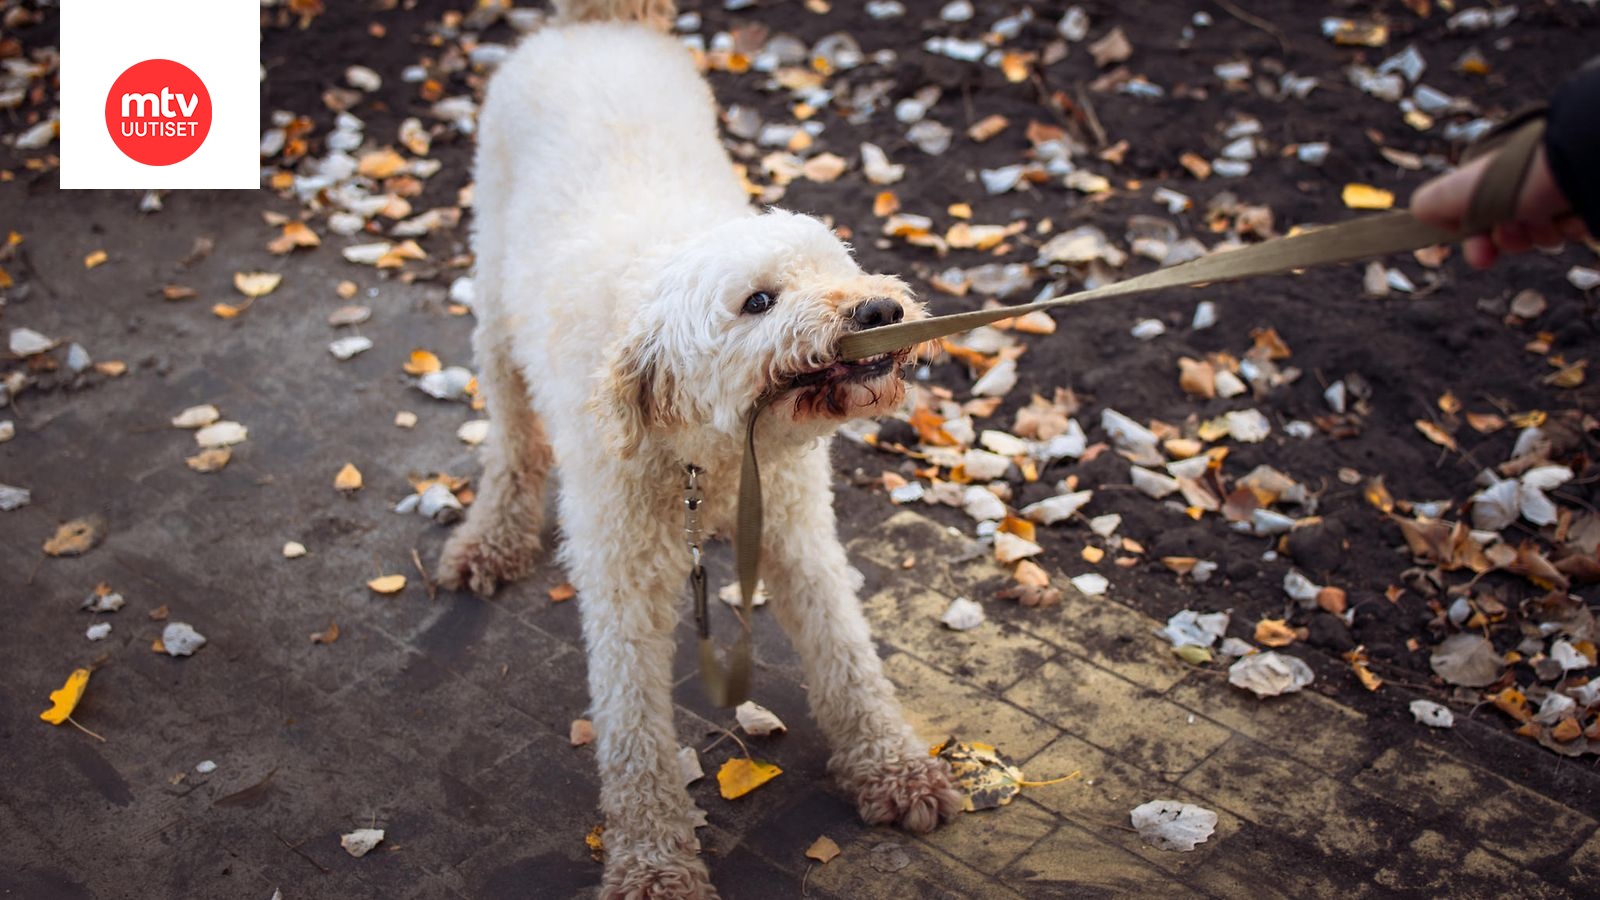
point(1572, 142)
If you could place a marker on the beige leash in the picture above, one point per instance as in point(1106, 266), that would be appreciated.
point(1494, 200)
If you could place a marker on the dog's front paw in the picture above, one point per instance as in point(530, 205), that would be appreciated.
point(917, 794)
point(470, 561)
point(679, 879)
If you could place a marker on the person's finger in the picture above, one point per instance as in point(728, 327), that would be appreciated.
point(1443, 200)
point(1512, 237)
point(1478, 251)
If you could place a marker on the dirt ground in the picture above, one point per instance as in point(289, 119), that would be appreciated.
point(444, 719)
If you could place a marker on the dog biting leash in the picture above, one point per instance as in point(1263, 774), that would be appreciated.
point(1493, 201)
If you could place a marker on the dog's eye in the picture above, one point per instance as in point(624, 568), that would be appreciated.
point(758, 303)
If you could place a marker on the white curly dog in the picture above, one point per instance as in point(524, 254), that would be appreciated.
point(632, 308)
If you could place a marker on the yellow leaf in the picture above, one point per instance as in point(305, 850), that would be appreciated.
point(422, 362)
point(1485, 423)
point(1449, 404)
point(1378, 495)
point(256, 284)
point(5, 279)
point(1365, 196)
point(984, 775)
point(595, 840)
point(348, 479)
point(1092, 554)
point(1436, 434)
point(381, 163)
point(76, 537)
point(211, 460)
point(885, 204)
point(111, 368)
point(1014, 66)
point(66, 699)
point(388, 584)
point(295, 234)
point(562, 592)
point(741, 775)
point(228, 311)
point(94, 259)
point(823, 850)
point(1274, 633)
point(1022, 528)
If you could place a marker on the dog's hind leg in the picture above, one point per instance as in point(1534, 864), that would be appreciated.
point(500, 539)
point(875, 754)
point(629, 571)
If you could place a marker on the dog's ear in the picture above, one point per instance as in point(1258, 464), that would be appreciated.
point(637, 394)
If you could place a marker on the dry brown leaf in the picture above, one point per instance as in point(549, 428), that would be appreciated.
point(327, 635)
point(1485, 423)
point(295, 234)
point(581, 732)
point(207, 461)
point(387, 584)
point(178, 292)
point(348, 479)
point(256, 284)
point(1268, 341)
point(381, 164)
point(76, 537)
point(823, 850)
point(1030, 574)
point(1274, 633)
point(1197, 378)
point(1437, 434)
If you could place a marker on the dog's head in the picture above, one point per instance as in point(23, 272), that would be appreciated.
point(753, 309)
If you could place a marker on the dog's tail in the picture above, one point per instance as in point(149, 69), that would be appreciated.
point(655, 13)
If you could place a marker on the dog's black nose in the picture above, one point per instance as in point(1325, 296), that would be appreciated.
point(877, 312)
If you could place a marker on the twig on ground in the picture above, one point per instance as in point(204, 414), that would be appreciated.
point(1257, 22)
point(427, 580)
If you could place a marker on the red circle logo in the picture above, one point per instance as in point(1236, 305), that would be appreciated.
point(158, 112)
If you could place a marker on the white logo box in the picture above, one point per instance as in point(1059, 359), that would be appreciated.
point(220, 40)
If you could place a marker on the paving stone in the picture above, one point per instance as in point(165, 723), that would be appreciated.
point(1072, 862)
point(994, 656)
point(988, 840)
point(1324, 734)
point(1435, 786)
point(1435, 865)
point(939, 706)
point(1111, 712)
point(1261, 786)
point(869, 872)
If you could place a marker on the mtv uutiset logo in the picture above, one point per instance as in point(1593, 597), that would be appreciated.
point(168, 100)
point(158, 112)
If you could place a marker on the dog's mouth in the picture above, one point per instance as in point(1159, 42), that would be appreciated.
point(850, 371)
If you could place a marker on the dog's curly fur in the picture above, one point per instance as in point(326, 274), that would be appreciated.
point(616, 249)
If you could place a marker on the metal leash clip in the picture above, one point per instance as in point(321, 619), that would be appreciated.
point(693, 499)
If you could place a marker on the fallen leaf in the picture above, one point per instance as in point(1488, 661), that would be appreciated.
point(327, 635)
point(595, 840)
point(208, 461)
point(387, 584)
point(741, 775)
point(581, 732)
point(76, 537)
point(985, 775)
point(1172, 825)
point(65, 700)
point(1365, 196)
point(823, 850)
point(1436, 434)
point(1467, 659)
point(1274, 633)
point(96, 258)
point(1270, 674)
point(348, 479)
point(180, 639)
point(360, 842)
point(295, 234)
point(757, 720)
point(422, 362)
point(562, 593)
point(256, 284)
point(1432, 714)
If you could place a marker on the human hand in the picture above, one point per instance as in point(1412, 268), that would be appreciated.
point(1544, 217)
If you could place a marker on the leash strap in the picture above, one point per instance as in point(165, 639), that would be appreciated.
point(1494, 200)
point(731, 686)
